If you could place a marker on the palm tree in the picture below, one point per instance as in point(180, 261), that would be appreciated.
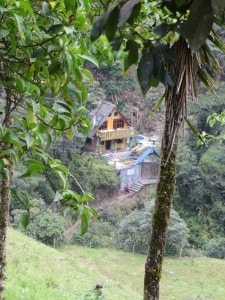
point(185, 80)
point(179, 67)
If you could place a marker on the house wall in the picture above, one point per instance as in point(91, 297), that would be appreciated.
point(129, 175)
point(148, 169)
point(114, 144)
point(111, 138)
point(113, 117)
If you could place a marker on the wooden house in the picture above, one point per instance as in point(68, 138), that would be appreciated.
point(110, 129)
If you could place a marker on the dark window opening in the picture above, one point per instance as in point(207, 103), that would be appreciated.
point(118, 124)
point(108, 145)
point(103, 143)
point(103, 126)
point(88, 141)
point(119, 141)
point(115, 113)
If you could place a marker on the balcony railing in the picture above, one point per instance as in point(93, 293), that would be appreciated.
point(115, 134)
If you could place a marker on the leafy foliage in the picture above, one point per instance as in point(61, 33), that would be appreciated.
point(134, 229)
point(43, 224)
point(134, 25)
point(215, 248)
point(43, 85)
point(200, 178)
point(94, 173)
point(128, 228)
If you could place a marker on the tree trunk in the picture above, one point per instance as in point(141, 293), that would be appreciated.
point(175, 101)
point(5, 185)
point(4, 215)
point(160, 222)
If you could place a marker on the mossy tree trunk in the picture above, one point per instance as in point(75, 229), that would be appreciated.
point(175, 101)
point(5, 184)
point(160, 222)
point(4, 218)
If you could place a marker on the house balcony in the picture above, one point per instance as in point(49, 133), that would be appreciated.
point(119, 133)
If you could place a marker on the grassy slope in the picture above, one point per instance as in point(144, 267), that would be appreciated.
point(38, 272)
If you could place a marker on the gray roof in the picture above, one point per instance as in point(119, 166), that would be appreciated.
point(101, 113)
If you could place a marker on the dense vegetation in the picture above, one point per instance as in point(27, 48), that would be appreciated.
point(200, 181)
point(198, 200)
point(127, 226)
point(43, 64)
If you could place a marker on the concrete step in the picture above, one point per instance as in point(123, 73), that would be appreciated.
point(136, 186)
point(148, 181)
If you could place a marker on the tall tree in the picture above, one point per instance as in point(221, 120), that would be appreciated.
point(172, 38)
point(42, 51)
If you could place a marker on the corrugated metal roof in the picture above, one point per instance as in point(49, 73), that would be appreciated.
point(145, 154)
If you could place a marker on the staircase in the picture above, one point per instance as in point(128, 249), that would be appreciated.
point(136, 186)
point(148, 181)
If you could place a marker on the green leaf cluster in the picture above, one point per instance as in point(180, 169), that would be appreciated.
point(147, 32)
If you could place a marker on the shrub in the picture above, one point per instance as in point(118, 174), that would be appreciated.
point(44, 225)
point(92, 172)
point(135, 230)
point(101, 234)
point(215, 248)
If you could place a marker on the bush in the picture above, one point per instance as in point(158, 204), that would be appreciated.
point(92, 172)
point(130, 230)
point(101, 234)
point(135, 230)
point(44, 225)
point(47, 228)
point(215, 248)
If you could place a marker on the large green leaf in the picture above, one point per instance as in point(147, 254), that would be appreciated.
point(56, 28)
point(111, 23)
point(22, 197)
point(132, 56)
point(162, 29)
point(199, 23)
point(116, 43)
point(145, 70)
point(181, 2)
point(84, 223)
point(99, 26)
point(24, 219)
point(71, 5)
point(126, 11)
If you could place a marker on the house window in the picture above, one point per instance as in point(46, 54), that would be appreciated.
point(118, 124)
point(102, 142)
point(119, 141)
point(103, 126)
point(110, 115)
point(115, 113)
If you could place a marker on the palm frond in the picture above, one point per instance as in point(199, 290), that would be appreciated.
point(214, 38)
point(156, 106)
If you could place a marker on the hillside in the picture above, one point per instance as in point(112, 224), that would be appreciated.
point(37, 272)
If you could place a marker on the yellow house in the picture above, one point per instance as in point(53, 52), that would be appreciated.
point(110, 129)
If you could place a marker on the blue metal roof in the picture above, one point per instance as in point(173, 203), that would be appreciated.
point(145, 154)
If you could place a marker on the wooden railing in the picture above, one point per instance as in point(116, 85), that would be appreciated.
point(115, 134)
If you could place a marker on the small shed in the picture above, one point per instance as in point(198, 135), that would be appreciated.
point(145, 167)
point(148, 162)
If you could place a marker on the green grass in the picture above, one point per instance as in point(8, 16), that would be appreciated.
point(36, 272)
